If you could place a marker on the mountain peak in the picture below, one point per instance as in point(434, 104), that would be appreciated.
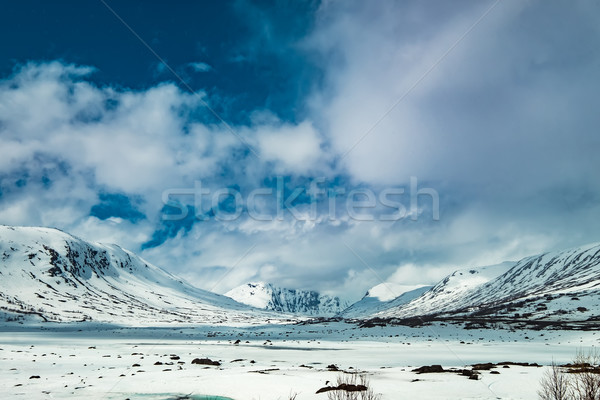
point(296, 301)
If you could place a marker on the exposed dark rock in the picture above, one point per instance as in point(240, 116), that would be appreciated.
point(522, 364)
point(427, 369)
point(205, 361)
point(265, 371)
point(483, 367)
point(344, 386)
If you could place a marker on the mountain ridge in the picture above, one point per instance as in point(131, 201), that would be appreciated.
point(49, 275)
point(552, 287)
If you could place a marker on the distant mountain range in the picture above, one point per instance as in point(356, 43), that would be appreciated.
point(49, 275)
point(269, 297)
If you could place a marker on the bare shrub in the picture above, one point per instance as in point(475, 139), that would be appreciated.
point(585, 376)
point(354, 380)
point(577, 381)
point(555, 385)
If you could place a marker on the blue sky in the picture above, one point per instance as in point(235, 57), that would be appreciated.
point(489, 108)
point(251, 47)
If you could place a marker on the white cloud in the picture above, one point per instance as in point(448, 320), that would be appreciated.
point(505, 128)
point(504, 103)
point(141, 144)
point(200, 66)
point(294, 148)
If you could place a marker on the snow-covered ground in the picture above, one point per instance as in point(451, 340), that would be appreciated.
point(95, 362)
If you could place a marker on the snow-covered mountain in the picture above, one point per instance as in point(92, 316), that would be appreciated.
point(304, 302)
point(555, 286)
point(373, 303)
point(50, 275)
point(452, 288)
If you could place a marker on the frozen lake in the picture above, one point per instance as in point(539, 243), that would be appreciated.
point(272, 362)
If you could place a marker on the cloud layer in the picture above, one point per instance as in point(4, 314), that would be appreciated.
point(503, 127)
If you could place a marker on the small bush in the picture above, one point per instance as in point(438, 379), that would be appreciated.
point(577, 381)
point(555, 385)
point(585, 376)
point(354, 380)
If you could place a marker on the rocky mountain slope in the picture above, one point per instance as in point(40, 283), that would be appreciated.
point(554, 287)
point(304, 302)
point(49, 275)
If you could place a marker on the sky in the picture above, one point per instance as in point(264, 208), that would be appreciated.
point(326, 145)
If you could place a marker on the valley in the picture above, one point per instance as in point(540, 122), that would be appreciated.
point(90, 320)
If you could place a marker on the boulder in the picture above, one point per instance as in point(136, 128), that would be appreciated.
point(427, 369)
point(344, 386)
point(205, 361)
